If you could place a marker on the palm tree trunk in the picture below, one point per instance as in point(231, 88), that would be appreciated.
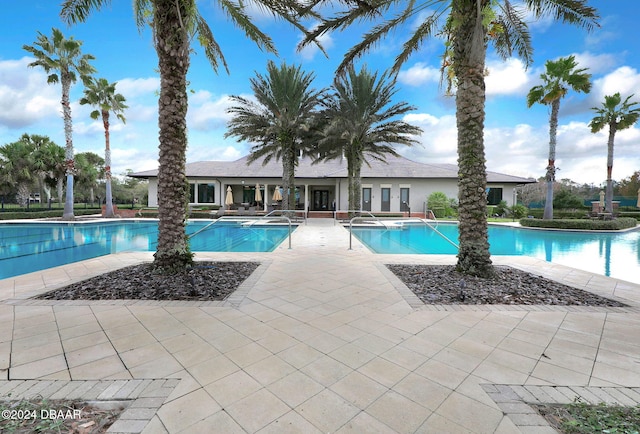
point(108, 210)
point(68, 152)
point(608, 202)
point(286, 179)
point(172, 46)
point(469, 57)
point(551, 167)
point(293, 156)
point(357, 184)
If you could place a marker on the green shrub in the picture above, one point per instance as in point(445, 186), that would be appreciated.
point(593, 225)
point(518, 211)
point(440, 204)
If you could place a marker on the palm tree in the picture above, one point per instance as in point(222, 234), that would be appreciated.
point(63, 60)
point(175, 23)
point(618, 115)
point(102, 94)
point(279, 121)
point(16, 169)
point(361, 125)
point(468, 26)
point(560, 76)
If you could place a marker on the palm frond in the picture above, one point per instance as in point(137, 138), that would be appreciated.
point(236, 13)
point(568, 11)
point(77, 11)
point(511, 33)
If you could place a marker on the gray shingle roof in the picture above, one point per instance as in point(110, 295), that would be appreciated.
point(394, 167)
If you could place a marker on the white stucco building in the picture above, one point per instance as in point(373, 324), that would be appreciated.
point(399, 185)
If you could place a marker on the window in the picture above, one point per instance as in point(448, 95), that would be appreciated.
point(494, 196)
point(206, 193)
point(192, 193)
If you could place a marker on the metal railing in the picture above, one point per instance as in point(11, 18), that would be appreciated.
point(397, 223)
point(250, 220)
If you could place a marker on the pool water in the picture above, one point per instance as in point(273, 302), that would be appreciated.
point(610, 254)
point(25, 248)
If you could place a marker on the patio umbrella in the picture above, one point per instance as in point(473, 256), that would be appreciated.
point(258, 197)
point(276, 194)
point(228, 200)
point(601, 200)
point(638, 203)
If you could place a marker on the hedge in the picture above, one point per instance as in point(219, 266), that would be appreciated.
point(54, 213)
point(592, 225)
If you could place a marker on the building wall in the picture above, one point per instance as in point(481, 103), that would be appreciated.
point(419, 190)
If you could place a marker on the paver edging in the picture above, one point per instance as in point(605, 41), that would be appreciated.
point(143, 397)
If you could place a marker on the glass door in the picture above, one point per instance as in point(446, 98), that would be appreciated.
point(404, 200)
point(385, 199)
point(366, 199)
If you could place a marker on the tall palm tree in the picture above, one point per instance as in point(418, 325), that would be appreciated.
point(361, 124)
point(175, 23)
point(618, 115)
point(102, 94)
point(559, 77)
point(279, 121)
point(63, 60)
point(468, 26)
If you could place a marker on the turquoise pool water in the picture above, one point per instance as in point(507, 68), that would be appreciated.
point(25, 248)
point(610, 254)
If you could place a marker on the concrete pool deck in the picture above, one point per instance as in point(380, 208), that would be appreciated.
point(319, 339)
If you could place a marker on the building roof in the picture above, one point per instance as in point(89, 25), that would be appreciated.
point(393, 167)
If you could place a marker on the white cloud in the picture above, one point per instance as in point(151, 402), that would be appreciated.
point(625, 80)
point(25, 97)
point(206, 113)
point(133, 87)
point(523, 150)
point(597, 63)
point(419, 74)
point(508, 77)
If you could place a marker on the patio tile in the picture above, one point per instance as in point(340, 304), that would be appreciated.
point(398, 412)
point(263, 408)
point(471, 414)
point(290, 423)
point(270, 369)
point(327, 411)
point(180, 414)
point(295, 388)
point(358, 389)
point(232, 388)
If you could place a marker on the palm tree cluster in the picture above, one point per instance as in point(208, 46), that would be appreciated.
point(354, 119)
point(560, 76)
point(34, 163)
point(63, 60)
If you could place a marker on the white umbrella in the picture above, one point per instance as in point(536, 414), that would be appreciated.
point(638, 203)
point(276, 194)
point(258, 197)
point(229, 198)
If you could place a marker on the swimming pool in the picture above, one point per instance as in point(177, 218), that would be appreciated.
point(29, 247)
point(610, 254)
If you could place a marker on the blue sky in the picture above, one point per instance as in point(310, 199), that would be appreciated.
point(516, 137)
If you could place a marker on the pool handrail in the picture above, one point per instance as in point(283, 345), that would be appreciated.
point(254, 220)
point(408, 219)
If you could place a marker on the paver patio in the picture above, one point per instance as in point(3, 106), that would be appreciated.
point(320, 339)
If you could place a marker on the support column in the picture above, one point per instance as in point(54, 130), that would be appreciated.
point(306, 199)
